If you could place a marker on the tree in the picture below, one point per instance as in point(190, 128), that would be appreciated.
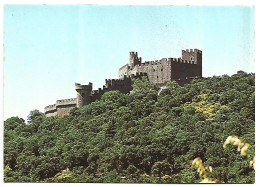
point(35, 116)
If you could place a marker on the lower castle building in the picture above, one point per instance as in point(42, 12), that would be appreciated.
point(182, 70)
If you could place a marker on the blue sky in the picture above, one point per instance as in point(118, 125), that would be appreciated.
point(48, 48)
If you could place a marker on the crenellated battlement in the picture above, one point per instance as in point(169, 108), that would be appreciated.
point(71, 101)
point(123, 85)
point(83, 87)
point(138, 75)
point(55, 108)
point(50, 108)
point(134, 59)
point(165, 60)
point(166, 69)
point(134, 53)
point(192, 51)
point(182, 70)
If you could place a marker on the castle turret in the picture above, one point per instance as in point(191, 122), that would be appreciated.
point(83, 94)
point(134, 60)
point(193, 56)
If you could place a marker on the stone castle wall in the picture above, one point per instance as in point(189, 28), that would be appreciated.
point(159, 71)
point(167, 69)
point(61, 108)
point(182, 70)
point(190, 65)
point(85, 95)
point(122, 85)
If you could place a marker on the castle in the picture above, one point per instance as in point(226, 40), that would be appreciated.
point(159, 72)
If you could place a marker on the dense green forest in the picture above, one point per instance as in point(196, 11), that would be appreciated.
point(143, 137)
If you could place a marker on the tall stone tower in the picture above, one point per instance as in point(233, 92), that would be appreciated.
point(134, 60)
point(193, 56)
point(83, 94)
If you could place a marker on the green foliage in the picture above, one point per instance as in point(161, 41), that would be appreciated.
point(161, 168)
point(141, 137)
point(35, 116)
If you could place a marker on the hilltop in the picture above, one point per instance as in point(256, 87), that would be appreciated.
point(146, 136)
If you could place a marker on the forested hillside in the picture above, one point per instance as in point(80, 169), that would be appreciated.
point(142, 137)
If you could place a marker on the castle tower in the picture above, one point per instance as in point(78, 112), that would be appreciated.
point(83, 94)
point(134, 60)
point(193, 56)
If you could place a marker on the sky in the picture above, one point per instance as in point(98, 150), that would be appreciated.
point(47, 48)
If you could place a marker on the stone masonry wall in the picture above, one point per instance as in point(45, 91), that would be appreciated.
point(162, 71)
point(85, 93)
point(61, 108)
point(182, 70)
point(158, 72)
point(123, 71)
point(123, 85)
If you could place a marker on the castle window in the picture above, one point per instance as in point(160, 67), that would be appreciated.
point(161, 69)
point(153, 69)
point(191, 58)
point(157, 77)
